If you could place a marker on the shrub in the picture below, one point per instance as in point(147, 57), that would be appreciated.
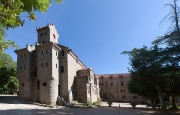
point(133, 104)
point(97, 103)
point(109, 102)
point(88, 104)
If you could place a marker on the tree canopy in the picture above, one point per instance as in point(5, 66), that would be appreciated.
point(11, 15)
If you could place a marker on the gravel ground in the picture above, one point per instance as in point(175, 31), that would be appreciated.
point(11, 105)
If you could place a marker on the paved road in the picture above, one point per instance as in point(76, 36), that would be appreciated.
point(11, 105)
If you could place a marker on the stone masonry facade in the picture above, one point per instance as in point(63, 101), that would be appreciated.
point(48, 70)
point(114, 87)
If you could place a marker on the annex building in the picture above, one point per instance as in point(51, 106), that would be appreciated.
point(50, 70)
point(114, 87)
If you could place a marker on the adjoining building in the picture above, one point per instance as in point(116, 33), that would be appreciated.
point(114, 87)
point(48, 70)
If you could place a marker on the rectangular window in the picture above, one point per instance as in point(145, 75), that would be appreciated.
point(123, 97)
point(56, 53)
point(121, 84)
point(134, 97)
point(24, 55)
point(38, 85)
point(46, 51)
point(21, 56)
point(62, 69)
point(111, 84)
point(46, 64)
point(62, 52)
point(24, 66)
point(56, 65)
point(42, 52)
point(42, 64)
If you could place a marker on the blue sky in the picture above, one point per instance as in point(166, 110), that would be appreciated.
point(99, 30)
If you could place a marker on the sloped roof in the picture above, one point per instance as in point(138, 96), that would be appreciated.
point(113, 75)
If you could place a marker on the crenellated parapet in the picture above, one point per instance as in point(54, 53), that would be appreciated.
point(30, 48)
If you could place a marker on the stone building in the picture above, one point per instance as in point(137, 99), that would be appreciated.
point(114, 87)
point(48, 70)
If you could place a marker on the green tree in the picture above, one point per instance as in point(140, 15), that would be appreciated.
point(11, 15)
point(7, 61)
point(137, 86)
point(147, 65)
point(7, 74)
point(13, 85)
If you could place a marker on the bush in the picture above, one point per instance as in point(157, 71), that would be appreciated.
point(88, 104)
point(109, 102)
point(97, 103)
point(133, 104)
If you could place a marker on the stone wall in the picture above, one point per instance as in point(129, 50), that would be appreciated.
point(114, 87)
point(73, 66)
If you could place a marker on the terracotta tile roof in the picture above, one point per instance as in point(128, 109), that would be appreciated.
point(113, 75)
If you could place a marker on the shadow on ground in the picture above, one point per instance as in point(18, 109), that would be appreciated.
point(10, 99)
point(12, 105)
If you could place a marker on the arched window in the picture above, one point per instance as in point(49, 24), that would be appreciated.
point(22, 84)
point(44, 84)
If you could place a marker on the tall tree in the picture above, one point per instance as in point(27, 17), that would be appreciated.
point(172, 37)
point(147, 65)
point(10, 15)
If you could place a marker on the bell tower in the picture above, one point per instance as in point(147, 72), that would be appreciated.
point(47, 34)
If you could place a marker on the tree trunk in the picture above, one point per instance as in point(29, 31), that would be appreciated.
point(161, 98)
point(152, 103)
point(173, 102)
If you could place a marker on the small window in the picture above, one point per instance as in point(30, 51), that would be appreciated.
point(42, 64)
point(134, 97)
point(21, 56)
point(42, 52)
point(56, 65)
point(111, 84)
point(112, 96)
point(22, 84)
point(121, 84)
point(62, 69)
point(123, 97)
point(38, 85)
point(54, 36)
point(46, 51)
point(24, 55)
point(44, 84)
point(46, 64)
point(62, 52)
point(56, 53)
point(24, 66)
point(41, 34)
